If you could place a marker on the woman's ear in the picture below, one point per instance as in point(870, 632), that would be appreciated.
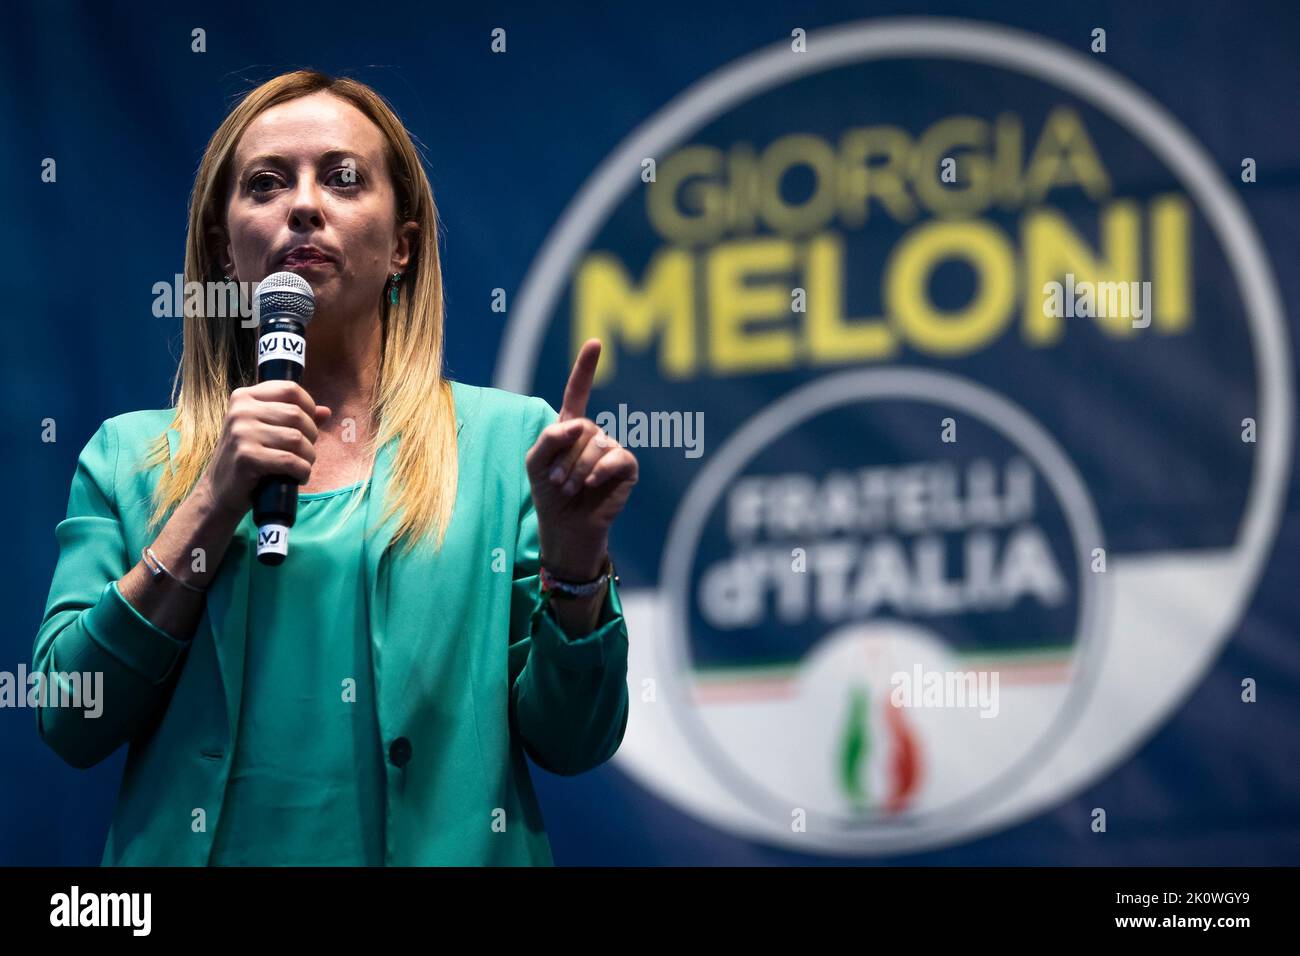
point(222, 253)
point(405, 236)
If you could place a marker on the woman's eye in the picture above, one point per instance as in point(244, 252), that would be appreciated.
point(343, 178)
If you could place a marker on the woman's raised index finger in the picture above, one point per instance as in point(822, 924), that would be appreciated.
point(578, 390)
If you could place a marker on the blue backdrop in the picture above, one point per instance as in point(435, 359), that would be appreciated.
point(114, 93)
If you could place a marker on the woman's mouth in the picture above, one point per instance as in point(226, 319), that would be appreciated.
point(305, 258)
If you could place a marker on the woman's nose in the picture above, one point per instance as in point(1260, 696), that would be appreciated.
point(305, 210)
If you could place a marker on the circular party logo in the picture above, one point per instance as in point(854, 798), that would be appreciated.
point(957, 377)
point(827, 588)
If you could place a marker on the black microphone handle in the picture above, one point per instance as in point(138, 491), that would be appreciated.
point(275, 499)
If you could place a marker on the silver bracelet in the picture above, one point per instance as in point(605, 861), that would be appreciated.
point(156, 568)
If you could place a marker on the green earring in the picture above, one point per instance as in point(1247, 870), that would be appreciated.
point(392, 289)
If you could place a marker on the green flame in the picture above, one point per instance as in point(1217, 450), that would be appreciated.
point(855, 747)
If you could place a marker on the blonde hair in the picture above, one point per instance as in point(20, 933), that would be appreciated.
point(412, 398)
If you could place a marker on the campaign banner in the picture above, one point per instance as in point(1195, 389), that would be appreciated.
point(960, 386)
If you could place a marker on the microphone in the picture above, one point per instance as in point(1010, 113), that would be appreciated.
point(285, 304)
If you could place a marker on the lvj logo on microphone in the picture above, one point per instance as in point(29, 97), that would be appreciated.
point(75, 908)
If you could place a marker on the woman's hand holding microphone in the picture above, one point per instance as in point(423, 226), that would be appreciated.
point(270, 429)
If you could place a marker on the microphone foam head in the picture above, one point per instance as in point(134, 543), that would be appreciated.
point(285, 294)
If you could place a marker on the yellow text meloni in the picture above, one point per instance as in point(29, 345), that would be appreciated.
point(727, 309)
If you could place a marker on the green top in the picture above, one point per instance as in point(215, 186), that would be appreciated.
point(472, 675)
point(307, 784)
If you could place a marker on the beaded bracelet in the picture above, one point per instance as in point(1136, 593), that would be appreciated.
point(554, 587)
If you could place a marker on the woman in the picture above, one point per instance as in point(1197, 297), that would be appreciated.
point(447, 605)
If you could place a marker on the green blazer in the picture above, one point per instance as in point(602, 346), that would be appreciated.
point(470, 674)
